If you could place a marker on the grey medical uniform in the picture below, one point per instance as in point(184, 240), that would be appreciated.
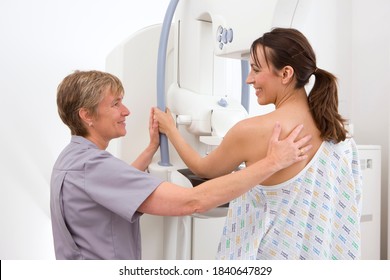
point(94, 201)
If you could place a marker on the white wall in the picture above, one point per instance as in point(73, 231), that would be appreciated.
point(44, 40)
point(41, 42)
point(371, 88)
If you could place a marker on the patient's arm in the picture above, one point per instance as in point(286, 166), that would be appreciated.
point(232, 151)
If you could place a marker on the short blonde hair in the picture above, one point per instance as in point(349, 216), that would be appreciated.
point(84, 89)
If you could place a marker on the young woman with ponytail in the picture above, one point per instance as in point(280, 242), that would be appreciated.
point(310, 210)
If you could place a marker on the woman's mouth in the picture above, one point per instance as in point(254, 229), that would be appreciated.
point(257, 92)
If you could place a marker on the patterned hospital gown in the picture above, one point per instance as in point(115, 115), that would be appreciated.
point(315, 215)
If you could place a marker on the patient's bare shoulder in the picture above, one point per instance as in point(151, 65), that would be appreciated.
point(251, 137)
point(258, 123)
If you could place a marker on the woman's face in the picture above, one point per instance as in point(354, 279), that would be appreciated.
point(110, 120)
point(264, 79)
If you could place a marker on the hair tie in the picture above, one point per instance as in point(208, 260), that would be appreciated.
point(315, 71)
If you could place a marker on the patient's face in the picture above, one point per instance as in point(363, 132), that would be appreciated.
point(264, 79)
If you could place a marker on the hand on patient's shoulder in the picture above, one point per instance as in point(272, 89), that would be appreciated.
point(289, 150)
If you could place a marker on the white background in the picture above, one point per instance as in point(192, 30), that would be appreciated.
point(42, 41)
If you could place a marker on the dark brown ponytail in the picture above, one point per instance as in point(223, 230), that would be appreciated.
point(288, 46)
point(323, 104)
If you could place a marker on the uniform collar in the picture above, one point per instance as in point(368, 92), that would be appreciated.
point(83, 141)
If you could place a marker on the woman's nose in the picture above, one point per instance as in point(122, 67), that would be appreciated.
point(125, 111)
point(249, 79)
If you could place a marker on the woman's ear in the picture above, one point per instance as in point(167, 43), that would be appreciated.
point(287, 74)
point(85, 116)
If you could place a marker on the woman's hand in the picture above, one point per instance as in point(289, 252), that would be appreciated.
point(287, 151)
point(153, 131)
point(145, 158)
point(165, 121)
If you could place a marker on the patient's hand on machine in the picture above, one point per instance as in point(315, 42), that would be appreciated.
point(191, 157)
point(166, 123)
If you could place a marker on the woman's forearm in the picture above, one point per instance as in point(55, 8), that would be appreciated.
point(144, 159)
point(189, 156)
point(225, 188)
point(179, 201)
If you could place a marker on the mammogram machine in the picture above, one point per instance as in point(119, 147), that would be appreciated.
point(197, 62)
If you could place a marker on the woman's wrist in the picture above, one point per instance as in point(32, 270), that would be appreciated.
point(170, 133)
point(152, 148)
point(272, 164)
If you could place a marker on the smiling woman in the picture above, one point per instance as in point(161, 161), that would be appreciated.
point(109, 121)
point(83, 96)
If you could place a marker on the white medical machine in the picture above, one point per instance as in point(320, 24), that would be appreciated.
point(197, 61)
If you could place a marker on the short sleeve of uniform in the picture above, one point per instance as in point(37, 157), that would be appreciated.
point(117, 185)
